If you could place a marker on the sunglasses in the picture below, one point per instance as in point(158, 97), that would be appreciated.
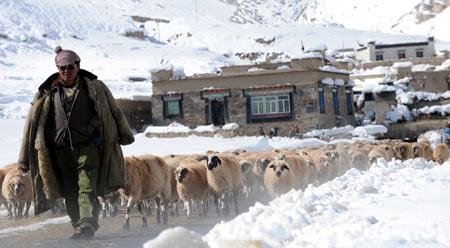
point(69, 67)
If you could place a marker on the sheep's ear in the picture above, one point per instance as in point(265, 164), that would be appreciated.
point(285, 167)
point(244, 166)
point(184, 171)
point(302, 153)
point(218, 159)
point(202, 158)
point(272, 166)
point(336, 154)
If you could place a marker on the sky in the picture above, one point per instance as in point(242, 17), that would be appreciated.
point(393, 204)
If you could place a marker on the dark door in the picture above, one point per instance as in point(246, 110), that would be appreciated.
point(217, 112)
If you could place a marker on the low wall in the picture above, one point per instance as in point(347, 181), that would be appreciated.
point(412, 130)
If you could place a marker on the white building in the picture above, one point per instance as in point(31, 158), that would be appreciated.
point(378, 52)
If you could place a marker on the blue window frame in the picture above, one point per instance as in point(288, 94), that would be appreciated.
point(348, 93)
point(335, 100)
point(321, 100)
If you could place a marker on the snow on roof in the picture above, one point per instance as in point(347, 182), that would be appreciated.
point(379, 70)
point(327, 81)
point(398, 113)
point(383, 88)
point(339, 82)
point(283, 67)
point(368, 85)
point(351, 83)
point(442, 109)
point(411, 97)
point(333, 69)
point(318, 47)
point(444, 66)
point(402, 64)
point(308, 55)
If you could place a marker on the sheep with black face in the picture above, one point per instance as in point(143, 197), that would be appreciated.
point(224, 177)
point(192, 186)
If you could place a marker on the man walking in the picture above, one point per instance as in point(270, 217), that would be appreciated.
point(71, 143)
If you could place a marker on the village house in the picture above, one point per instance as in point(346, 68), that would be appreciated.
point(379, 52)
point(257, 97)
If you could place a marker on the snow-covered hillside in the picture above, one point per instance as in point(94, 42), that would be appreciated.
point(124, 40)
point(400, 16)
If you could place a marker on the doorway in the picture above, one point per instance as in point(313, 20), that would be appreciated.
point(217, 112)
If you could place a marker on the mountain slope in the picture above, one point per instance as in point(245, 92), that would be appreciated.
point(429, 17)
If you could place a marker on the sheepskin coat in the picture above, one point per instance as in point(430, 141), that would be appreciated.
point(34, 154)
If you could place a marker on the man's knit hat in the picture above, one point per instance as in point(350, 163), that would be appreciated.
point(65, 57)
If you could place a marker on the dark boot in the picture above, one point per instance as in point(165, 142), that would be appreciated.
point(88, 231)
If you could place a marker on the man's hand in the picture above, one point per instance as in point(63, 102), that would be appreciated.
point(23, 168)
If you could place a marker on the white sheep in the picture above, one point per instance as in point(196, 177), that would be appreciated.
point(284, 173)
point(17, 190)
point(441, 153)
point(192, 186)
point(3, 172)
point(224, 177)
point(147, 177)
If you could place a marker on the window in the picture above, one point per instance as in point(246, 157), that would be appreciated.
point(401, 54)
point(173, 108)
point(270, 106)
point(172, 105)
point(379, 56)
point(419, 53)
point(321, 100)
point(311, 107)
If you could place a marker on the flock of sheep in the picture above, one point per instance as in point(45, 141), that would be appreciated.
point(197, 178)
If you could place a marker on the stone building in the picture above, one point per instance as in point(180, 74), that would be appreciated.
point(257, 97)
point(378, 52)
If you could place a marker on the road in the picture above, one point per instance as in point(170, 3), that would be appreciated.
point(22, 233)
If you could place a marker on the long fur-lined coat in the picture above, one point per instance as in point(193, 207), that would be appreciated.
point(34, 154)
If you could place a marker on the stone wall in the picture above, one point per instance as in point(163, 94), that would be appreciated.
point(137, 112)
point(304, 104)
point(383, 101)
point(411, 130)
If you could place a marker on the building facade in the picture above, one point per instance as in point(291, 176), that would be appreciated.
point(257, 97)
point(379, 52)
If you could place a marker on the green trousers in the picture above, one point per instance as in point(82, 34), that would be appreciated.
point(78, 171)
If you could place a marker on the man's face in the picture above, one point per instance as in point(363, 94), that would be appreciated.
point(69, 72)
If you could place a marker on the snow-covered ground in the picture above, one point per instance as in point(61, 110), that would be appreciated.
point(393, 204)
